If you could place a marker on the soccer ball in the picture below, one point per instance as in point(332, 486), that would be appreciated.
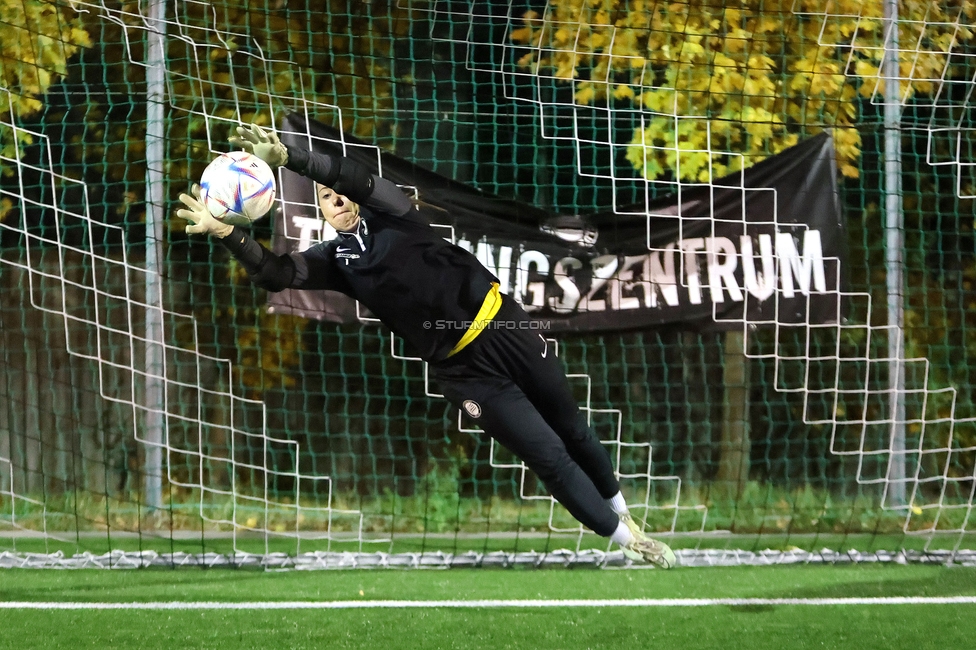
point(238, 188)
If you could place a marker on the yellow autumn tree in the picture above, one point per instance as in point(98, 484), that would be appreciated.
point(37, 38)
point(723, 85)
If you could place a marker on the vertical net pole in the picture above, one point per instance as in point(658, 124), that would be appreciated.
point(894, 240)
point(155, 96)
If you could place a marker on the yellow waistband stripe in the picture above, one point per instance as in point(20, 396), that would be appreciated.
point(490, 307)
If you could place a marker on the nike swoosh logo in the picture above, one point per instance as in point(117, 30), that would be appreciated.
point(342, 250)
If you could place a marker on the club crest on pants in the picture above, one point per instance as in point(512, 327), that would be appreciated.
point(472, 407)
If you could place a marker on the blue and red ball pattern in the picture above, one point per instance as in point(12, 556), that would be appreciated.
point(238, 187)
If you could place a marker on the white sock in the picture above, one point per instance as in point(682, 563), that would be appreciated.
point(622, 535)
point(619, 504)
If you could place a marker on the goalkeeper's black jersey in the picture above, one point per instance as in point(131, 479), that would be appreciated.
point(424, 288)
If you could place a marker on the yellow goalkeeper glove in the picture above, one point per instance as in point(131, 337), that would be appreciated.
point(202, 222)
point(266, 146)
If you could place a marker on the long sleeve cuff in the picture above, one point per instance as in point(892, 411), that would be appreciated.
point(234, 242)
point(297, 159)
point(247, 251)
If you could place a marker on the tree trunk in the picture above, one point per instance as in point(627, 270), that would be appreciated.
point(733, 470)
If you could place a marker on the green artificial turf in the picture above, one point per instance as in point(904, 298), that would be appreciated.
point(890, 626)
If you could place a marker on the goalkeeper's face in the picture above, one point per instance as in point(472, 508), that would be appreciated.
point(341, 213)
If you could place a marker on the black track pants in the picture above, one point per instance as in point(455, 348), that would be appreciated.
point(513, 386)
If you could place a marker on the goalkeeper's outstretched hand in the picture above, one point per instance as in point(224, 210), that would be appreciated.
point(266, 146)
point(201, 221)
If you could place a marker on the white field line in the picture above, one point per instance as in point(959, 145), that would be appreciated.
point(478, 604)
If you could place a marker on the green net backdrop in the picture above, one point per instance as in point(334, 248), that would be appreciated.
point(282, 434)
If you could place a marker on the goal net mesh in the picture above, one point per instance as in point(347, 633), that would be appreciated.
point(153, 410)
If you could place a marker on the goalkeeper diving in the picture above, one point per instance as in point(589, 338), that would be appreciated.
point(447, 306)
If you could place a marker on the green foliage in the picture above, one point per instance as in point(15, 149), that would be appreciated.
point(752, 76)
point(761, 508)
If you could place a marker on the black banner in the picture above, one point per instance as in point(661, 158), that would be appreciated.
point(764, 245)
